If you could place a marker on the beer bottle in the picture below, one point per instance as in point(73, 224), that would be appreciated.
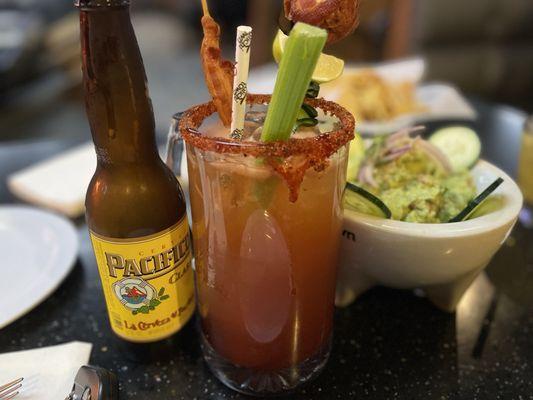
point(135, 207)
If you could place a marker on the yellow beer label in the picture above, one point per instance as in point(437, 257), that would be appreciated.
point(148, 282)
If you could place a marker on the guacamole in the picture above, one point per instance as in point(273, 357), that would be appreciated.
point(416, 188)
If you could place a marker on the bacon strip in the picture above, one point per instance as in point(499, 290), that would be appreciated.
point(218, 72)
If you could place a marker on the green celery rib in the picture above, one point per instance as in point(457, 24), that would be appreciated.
point(302, 50)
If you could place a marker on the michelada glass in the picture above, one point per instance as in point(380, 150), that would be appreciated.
point(266, 221)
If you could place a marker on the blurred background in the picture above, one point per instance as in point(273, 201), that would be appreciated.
point(484, 47)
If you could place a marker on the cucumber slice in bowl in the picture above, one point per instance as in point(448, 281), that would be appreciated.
point(473, 207)
point(460, 144)
point(363, 201)
point(491, 204)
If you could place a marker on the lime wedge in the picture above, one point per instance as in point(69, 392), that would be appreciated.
point(279, 45)
point(328, 67)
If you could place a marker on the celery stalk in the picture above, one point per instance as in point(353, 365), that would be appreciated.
point(302, 50)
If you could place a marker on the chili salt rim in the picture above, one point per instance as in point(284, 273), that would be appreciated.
point(319, 147)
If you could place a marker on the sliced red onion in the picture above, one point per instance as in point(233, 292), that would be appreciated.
point(370, 177)
point(361, 176)
point(435, 153)
point(402, 149)
point(399, 143)
point(366, 175)
point(404, 133)
point(396, 153)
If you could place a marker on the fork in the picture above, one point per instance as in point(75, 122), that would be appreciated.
point(10, 390)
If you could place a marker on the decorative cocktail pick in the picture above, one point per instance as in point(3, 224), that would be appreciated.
point(240, 82)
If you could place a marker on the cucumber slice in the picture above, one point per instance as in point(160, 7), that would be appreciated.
point(460, 144)
point(490, 205)
point(360, 200)
point(472, 207)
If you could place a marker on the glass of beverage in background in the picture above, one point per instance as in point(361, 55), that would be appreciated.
point(525, 168)
point(267, 223)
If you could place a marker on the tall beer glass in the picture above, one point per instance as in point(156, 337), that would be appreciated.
point(266, 227)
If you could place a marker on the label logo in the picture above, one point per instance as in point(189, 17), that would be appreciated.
point(137, 295)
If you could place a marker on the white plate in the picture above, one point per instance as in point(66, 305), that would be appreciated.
point(38, 250)
point(441, 100)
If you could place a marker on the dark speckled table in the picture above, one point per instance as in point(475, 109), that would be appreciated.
point(390, 344)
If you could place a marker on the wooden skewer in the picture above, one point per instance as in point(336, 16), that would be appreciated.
point(205, 8)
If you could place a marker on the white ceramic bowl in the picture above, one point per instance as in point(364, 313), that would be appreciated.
point(442, 259)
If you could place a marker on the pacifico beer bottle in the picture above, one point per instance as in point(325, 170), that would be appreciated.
point(135, 207)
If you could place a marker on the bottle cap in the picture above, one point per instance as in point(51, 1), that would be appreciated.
point(101, 3)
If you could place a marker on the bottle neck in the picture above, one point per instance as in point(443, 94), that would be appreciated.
point(116, 95)
point(92, 4)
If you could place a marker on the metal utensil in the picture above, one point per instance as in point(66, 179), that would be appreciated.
point(94, 383)
point(10, 390)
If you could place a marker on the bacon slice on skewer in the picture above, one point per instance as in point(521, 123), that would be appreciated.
point(217, 71)
point(339, 17)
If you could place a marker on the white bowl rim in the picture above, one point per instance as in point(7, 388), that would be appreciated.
point(489, 222)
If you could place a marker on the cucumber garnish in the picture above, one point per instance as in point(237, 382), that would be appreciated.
point(310, 111)
point(477, 202)
point(313, 90)
point(306, 122)
point(365, 202)
point(460, 144)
